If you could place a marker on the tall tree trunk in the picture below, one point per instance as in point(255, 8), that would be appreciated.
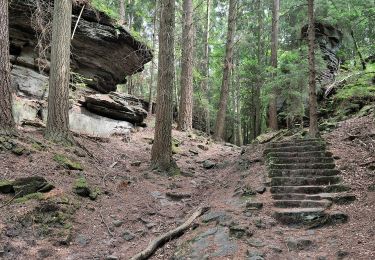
point(58, 98)
point(152, 62)
point(122, 12)
point(357, 50)
point(275, 35)
point(185, 119)
point(7, 126)
point(161, 154)
point(238, 109)
point(256, 93)
point(220, 118)
point(206, 66)
point(313, 104)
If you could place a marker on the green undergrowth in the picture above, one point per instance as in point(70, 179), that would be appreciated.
point(67, 163)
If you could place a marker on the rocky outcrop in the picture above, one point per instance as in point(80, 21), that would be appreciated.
point(329, 39)
point(116, 106)
point(100, 51)
point(102, 56)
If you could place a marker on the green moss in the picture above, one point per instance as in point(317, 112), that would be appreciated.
point(362, 87)
point(32, 196)
point(81, 188)
point(67, 163)
point(80, 183)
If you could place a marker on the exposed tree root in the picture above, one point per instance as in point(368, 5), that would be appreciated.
point(161, 240)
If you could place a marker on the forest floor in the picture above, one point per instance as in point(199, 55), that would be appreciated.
point(137, 204)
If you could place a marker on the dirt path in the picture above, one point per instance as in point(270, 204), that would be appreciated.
point(137, 204)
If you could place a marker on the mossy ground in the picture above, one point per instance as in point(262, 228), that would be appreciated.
point(67, 163)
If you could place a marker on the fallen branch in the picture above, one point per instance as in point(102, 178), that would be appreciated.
point(79, 18)
point(161, 240)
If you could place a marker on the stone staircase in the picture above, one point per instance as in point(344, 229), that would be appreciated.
point(304, 183)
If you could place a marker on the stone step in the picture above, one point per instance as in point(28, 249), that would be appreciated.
point(299, 216)
point(292, 166)
point(309, 217)
point(292, 160)
point(309, 189)
point(302, 172)
point(338, 198)
point(303, 181)
point(299, 154)
point(302, 203)
point(315, 142)
point(305, 148)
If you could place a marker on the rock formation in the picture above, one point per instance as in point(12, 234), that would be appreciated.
point(100, 51)
point(329, 39)
point(102, 56)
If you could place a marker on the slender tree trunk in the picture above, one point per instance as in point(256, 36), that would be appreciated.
point(122, 12)
point(256, 93)
point(220, 118)
point(58, 98)
point(7, 126)
point(161, 154)
point(275, 35)
point(313, 104)
point(152, 62)
point(357, 50)
point(185, 119)
point(238, 108)
point(206, 66)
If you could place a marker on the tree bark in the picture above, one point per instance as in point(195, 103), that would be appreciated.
point(313, 104)
point(220, 118)
point(7, 125)
point(161, 154)
point(185, 119)
point(122, 12)
point(152, 62)
point(58, 98)
point(275, 33)
point(206, 66)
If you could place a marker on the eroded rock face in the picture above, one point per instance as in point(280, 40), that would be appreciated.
point(100, 51)
point(329, 39)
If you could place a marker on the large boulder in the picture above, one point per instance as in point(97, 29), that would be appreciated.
point(101, 51)
point(116, 106)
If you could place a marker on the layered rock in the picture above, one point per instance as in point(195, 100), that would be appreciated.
point(116, 106)
point(102, 56)
point(329, 39)
point(100, 51)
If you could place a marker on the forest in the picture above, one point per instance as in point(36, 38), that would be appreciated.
point(193, 129)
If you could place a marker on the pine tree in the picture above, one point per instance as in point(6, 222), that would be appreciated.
point(122, 12)
point(275, 33)
point(7, 126)
point(220, 118)
point(185, 119)
point(161, 154)
point(313, 104)
point(206, 65)
point(58, 98)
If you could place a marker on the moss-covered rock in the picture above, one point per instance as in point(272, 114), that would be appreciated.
point(6, 186)
point(28, 185)
point(67, 163)
point(81, 188)
point(25, 186)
